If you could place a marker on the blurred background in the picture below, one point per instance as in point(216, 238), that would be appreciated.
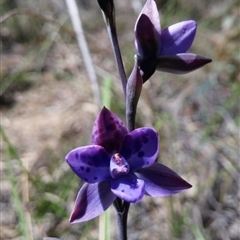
point(47, 108)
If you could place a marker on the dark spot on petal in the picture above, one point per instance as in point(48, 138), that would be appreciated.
point(76, 155)
point(88, 169)
point(85, 179)
point(110, 127)
point(95, 178)
point(82, 168)
point(140, 154)
point(122, 190)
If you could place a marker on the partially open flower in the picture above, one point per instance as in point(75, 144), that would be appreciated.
point(119, 164)
point(165, 50)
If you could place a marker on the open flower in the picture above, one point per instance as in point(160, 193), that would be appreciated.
point(164, 50)
point(119, 164)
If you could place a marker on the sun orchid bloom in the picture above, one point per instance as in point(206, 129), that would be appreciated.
point(119, 164)
point(164, 50)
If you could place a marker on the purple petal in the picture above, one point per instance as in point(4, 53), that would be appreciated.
point(108, 131)
point(151, 11)
point(146, 38)
point(161, 181)
point(181, 63)
point(140, 148)
point(90, 163)
point(147, 67)
point(147, 31)
point(91, 201)
point(128, 188)
point(178, 38)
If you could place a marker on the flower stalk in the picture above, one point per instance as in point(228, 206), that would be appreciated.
point(108, 10)
point(118, 57)
point(122, 216)
point(120, 166)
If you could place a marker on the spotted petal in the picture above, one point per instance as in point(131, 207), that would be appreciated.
point(140, 148)
point(181, 63)
point(108, 131)
point(128, 188)
point(178, 38)
point(90, 163)
point(91, 201)
point(161, 181)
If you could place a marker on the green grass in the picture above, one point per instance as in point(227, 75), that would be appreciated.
point(9, 154)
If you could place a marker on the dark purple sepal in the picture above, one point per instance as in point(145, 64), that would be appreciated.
point(181, 63)
point(92, 200)
point(108, 131)
point(147, 67)
point(150, 10)
point(146, 37)
point(161, 181)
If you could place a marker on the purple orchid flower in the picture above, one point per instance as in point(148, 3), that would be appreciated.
point(164, 50)
point(119, 164)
